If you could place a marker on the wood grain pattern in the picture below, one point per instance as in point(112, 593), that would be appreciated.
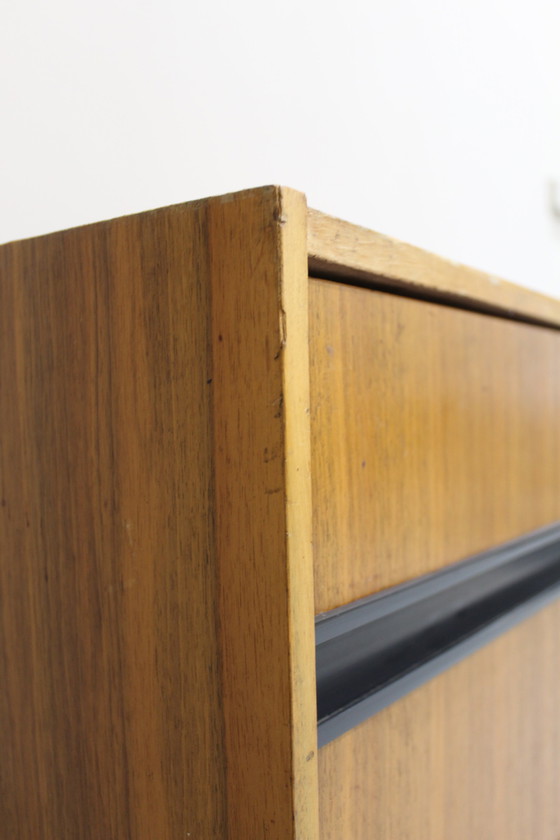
point(155, 575)
point(435, 436)
point(473, 753)
point(340, 249)
point(108, 580)
point(156, 570)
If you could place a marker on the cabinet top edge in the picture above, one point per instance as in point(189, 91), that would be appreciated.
point(272, 193)
point(346, 252)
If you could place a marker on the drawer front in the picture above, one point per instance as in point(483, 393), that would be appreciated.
point(435, 435)
point(474, 753)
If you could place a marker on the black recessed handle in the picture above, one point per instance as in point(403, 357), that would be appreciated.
point(377, 649)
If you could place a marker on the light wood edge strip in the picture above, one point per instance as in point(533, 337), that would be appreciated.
point(340, 249)
point(295, 309)
point(258, 261)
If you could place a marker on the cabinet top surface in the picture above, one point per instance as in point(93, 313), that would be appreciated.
point(344, 251)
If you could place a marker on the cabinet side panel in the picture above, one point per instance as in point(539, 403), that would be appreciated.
point(110, 722)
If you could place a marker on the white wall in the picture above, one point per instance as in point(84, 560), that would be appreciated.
point(437, 122)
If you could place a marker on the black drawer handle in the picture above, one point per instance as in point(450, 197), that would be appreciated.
point(375, 650)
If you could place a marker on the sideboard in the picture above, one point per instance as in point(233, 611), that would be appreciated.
point(279, 535)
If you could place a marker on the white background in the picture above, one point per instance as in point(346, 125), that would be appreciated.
point(436, 121)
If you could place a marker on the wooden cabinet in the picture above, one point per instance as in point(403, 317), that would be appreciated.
point(221, 420)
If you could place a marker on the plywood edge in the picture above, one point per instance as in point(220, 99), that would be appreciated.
point(338, 249)
point(295, 309)
point(258, 269)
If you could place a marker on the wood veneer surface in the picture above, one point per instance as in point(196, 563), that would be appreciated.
point(156, 615)
point(107, 608)
point(434, 436)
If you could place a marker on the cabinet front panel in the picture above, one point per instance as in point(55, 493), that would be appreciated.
point(434, 436)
